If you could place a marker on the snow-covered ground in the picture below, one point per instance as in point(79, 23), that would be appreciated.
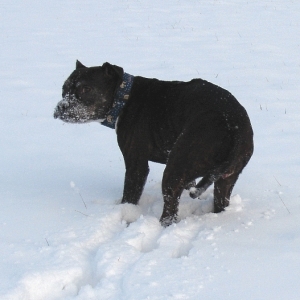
point(63, 233)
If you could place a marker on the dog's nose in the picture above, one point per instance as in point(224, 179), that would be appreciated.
point(60, 108)
point(56, 112)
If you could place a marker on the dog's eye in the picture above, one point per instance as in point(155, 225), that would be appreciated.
point(85, 89)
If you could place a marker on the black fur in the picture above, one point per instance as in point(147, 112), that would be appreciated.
point(196, 128)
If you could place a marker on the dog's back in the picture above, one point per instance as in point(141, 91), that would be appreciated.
point(164, 110)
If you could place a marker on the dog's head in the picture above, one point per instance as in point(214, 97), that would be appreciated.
point(88, 93)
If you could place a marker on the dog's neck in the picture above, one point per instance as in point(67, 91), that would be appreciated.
point(120, 99)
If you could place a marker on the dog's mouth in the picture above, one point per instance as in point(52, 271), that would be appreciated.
point(70, 110)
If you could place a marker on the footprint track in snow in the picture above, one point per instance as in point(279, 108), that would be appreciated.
point(113, 252)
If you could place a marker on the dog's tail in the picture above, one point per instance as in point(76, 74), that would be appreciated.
point(237, 159)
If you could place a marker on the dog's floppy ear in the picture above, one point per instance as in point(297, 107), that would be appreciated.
point(79, 65)
point(112, 70)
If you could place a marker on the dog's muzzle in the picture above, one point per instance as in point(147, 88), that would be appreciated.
point(60, 108)
point(71, 110)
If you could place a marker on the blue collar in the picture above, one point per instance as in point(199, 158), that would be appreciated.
point(121, 97)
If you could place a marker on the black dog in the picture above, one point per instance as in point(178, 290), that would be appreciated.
point(196, 128)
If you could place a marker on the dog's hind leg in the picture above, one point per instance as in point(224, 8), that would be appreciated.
point(178, 174)
point(222, 191)
point(172, 186)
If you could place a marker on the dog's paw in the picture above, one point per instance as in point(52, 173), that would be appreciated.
point(190, 185)
point(167, 221)
point(130, 212)
point(196, 192)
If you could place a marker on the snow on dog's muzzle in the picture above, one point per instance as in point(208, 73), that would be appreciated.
point(71, 110)
point(61, 107)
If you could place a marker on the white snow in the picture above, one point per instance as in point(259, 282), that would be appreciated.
point(53, 247)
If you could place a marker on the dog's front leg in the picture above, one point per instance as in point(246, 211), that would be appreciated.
point(135, 179)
